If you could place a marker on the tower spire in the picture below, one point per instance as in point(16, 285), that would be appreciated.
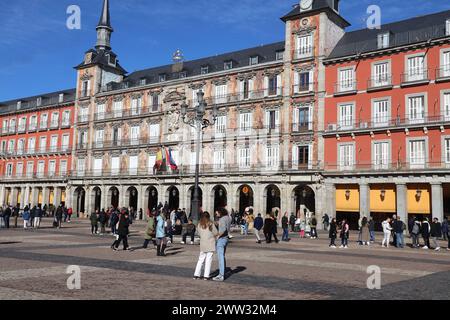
point(104, 29)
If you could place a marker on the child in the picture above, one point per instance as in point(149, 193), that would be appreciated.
point(302, 229)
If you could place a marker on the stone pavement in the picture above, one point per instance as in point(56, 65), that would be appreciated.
point(33, 265)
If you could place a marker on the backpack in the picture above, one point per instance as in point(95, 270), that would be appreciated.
point(415, 229)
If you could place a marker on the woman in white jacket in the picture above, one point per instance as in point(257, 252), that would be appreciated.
point(386, 224)
point(207, 232)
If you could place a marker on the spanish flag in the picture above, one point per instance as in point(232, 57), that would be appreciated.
point(172, 163)
point(159, 160)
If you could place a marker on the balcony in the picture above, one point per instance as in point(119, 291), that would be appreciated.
point(33, 152)
point(36, 175)
point(65, 124)
point(414, 77)
point(443, 73)
point(83, 118)
point(304, 53)
point(345, 88)
point(303, 88)
point(12, 130)
point(386, 123)
point(302, 127)
point(21, 129)
point(32, 127)
point(127, 113)
point(269, 93)
point(54, 124)
point(382, 82)
point(43, 125)
point(386, 167)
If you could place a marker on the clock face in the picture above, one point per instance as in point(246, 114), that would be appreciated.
point(306, 4)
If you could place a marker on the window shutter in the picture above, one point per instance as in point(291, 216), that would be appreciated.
point(266, 86)
point(294, 156)
point(279, 87)
point(241, 89)
point(251, 88)
point(311, 80)
point(310, 156)
point(296, 82)
point(310, 117)
point(295, 119)
point(267, 120)
point(277, 120)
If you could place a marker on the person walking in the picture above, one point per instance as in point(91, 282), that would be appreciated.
point(59, 215)
point(394, 236)
point(1, 218)
point(326, 222)
point(274, 227)
point(292, 220)
point(32, 216)
point(399, 227)
point(258, 225)
point(150, 231)
point(333, 233)
point(268, 229)
point(313, 227)
point(69, 214)
point(122, 231)
point(161, 240)
point(445, 228)
point(16, 213)
point(37, 217)
point(208, 233)
point(285, 227)
point(387, 229)
point(436, 233)
point(426, 229)
point(415, 232)
point(94, 221)
point(102, 219)
point(365, 232)
point(26, 217)
point(222, 242)
point(114, 220)
point(7, 215)
point(372, 229)
point(344, 234)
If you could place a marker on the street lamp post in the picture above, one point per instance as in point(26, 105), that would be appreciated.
point(199, 123)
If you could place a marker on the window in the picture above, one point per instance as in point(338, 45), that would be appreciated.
point(182, 74)
point(66, 118)
point(245, 123)
point(346, 80)
point(447, 27)
point(100, 111)
point(5, 126)
point(221, 93)
point(219, 159)
point(11, 146)
point(98, 164)
point(301, 156)
point(304, 46)
point(43, 144)
point(31, 145)
point(115, 166)
point(61, 98)
point(53, 143)
point(99, 133)
point(447, 150)
point(381, 113)
point(40, 169)
point(133, 165)
point(162, 77)
point(54, 122)
point(445, 64)
point(12, 125)
point(244, 158)
point(346, 156)
point(39, 101)
point(272, 85)
point(155, 102)
point(272, 157)
point(22, 124)
point(20, 146)
point(346, 120)
point(380, 74)
point(204, 70)
point(9, 170)
point(65, 142)
point(136, 106)
point(272, 120)
point(117, 136)
point(254, 60)
point(416, 109)
point(19, 169)
point(3, 146)
point(117, 109)
point(246, 89)
point(446, 106)
point(417, 154)
point(84, 114)
point(33, 123)
point(279, 55)
point(44, 121)
point(228, 65)
point(383, 40)
point(51, 168)
point(85, 88)
point(134, 136)
point(154, 132)
point(381, 155)
point(30, 168)
point(302, 119)
point(82, 139)
point(415, 68)
point(81, 167)
point(63, 168)
point(303, 81)
point(220, 126)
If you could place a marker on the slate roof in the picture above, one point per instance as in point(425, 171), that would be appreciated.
point(318, 5)
point(100, 57)
point(30, 103)
point(266, 53)
point(406, 32)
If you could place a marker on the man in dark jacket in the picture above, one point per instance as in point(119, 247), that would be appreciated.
point(268, 225)
point(313, 227)
point(6, 215)
point(292, 222)
point(102, 219)
point(59, 215)
point(16, 211)
point(122, 231)
point(445, 228)
point(399, 227)
point(285, 227)
point(425, 229)
point(436, 233)
point(38, 213)
point(372, 229)
point(258, 225)
point(32, 216)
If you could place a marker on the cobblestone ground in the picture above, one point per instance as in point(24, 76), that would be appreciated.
point(33, 265)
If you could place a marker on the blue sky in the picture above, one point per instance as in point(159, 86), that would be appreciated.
point(38, 52)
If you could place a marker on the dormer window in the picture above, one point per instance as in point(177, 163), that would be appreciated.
point(279, 55)
point(383, 40)
point(39, 102)
point(336, 5)
point(112, 60)
point(61, 98)
point(183, 74)
point(254, 60)
point(19, 105)
point(447, 27)
point(204, 70)
point(162, 78)
point(143, 81)
point(228, 65)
